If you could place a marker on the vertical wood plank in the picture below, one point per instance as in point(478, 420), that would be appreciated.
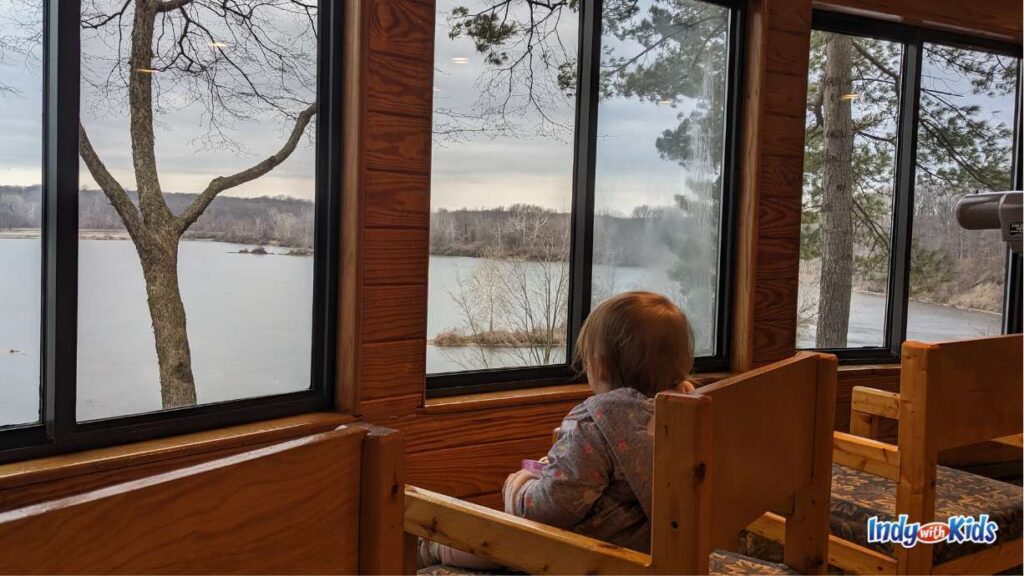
point(807, 529)
point(351, 270)
point(745, 270)
point(382, 497)
point(915, 492)
point(681, 523)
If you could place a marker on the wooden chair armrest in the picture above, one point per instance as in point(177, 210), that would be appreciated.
point(850, 557)
point(875, 402)
point(1016, 440)
point(528, 546)
point(866, 455)
point(868, 406)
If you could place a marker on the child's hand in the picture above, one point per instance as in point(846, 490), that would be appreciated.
point(513, 484)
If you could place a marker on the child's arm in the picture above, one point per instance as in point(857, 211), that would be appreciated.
point(577, 474)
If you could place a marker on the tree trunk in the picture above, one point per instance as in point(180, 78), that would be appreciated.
point(837, 196)
point(160, 268)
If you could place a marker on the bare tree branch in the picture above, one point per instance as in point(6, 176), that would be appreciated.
point(169, 5)
point(222, 183)
point(111, 187)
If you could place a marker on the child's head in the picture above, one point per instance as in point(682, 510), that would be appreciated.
point(636, 339)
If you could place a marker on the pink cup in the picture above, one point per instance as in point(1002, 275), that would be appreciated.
point(534, 467)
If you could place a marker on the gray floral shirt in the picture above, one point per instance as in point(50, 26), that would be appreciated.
point(598, 479)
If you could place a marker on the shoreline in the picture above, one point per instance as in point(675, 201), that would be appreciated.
point(35, 233)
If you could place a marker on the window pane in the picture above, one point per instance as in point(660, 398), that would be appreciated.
point(501, 184)
point(849, 173)
point(21, 149)
point(964, 144)
point(225, 311)
point(660, 156)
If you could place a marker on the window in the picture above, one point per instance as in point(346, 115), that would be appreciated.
point(501, 189)
point(189, 259)
point(576, 155)
point(902, 123)
point(849, 171)
point(964, 145)
point(21, 157)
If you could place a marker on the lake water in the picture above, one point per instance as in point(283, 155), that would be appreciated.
point(250, 323)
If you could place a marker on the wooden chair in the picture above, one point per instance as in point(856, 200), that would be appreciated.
point(952, 394)
point(327, 503)
point(722, 457)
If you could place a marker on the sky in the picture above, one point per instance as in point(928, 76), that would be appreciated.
point(480, 170)
point(484, 171)
point(184, 166)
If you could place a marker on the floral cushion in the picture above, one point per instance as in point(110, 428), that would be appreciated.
point(857, 496)
point(722, 562)
point(728, 563)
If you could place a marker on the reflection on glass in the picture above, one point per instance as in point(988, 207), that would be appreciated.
point(21, 148)
point(849, 171)
point(660, 152)
point(965, 144)
point(195, 255)
point(501, 184)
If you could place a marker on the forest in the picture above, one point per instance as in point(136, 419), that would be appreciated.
point(277, 221)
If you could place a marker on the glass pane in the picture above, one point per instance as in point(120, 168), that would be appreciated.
point(660, 155)
point(184, 300)
point(849, 173)
point(964, 144)
point(21, 156)
point(501, 184)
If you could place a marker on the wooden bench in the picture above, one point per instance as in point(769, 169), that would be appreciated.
point(952, 394)
point(324, 503)
point(722, 458)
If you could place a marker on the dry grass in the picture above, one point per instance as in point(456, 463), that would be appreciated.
point(501, 339)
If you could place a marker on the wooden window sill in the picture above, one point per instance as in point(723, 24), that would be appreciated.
point(506, 398)
point(867, 369)
point(578, 392)
point(190, 447)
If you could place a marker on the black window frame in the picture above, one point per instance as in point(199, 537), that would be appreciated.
point(913, 39)
point(582, 218)
point(58, 431)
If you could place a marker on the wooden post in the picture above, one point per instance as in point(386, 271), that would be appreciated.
point(382, 497)
point(681, 523)
point(807, 529)
point(915, 493)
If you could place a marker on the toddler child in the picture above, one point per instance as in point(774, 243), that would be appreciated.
point(597, 481)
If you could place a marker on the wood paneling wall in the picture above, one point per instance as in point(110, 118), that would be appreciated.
point(775, 93)
point(386, 206)
point(995, 18)
point(468, 451)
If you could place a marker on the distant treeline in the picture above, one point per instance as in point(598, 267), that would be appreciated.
point(526, 231)
point(279, 221)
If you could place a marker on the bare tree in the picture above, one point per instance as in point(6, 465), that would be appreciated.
point(234, 58)
point(518, 303)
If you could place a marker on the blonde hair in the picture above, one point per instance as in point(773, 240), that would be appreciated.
point(642, 339)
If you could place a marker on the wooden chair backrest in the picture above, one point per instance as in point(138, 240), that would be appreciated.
point(298, 506)
point(738, 448)
point(951, 394)
point(963, 392)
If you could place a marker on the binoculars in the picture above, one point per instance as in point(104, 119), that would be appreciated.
point(993, 210)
